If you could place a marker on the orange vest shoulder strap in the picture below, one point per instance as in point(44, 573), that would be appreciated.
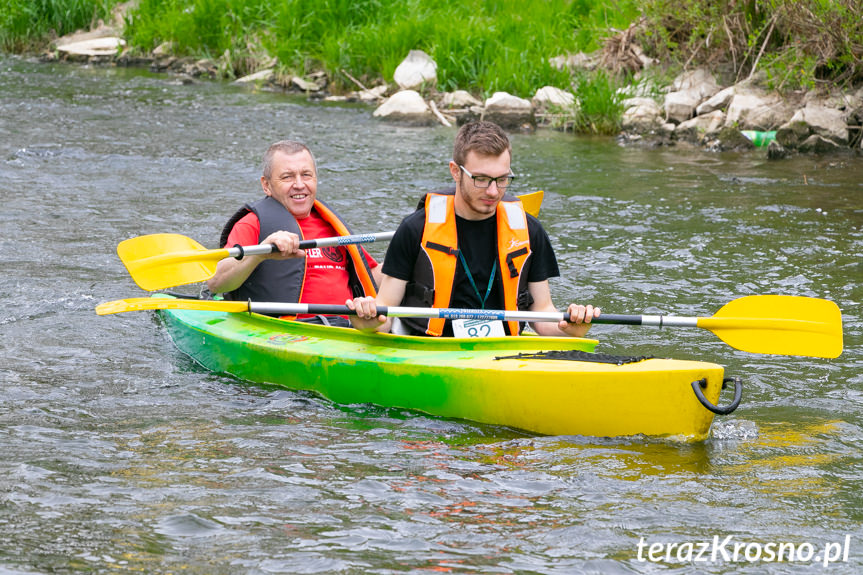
point(360, 265)
point(440, 244)
point(513, 250)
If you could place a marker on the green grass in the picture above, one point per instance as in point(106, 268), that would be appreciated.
point(26, 24)
point(480, 46)
point(600, 111)
point(483, 46)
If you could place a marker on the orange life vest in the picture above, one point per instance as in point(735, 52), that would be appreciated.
point(440, 245)
point(361, 267)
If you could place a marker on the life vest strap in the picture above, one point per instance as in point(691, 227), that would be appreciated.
point(513, 272)
point(441, 248)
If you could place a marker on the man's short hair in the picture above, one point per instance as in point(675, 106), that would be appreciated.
point(484, 138)
point(287, 147)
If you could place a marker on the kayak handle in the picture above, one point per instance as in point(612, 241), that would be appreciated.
point(699, 384)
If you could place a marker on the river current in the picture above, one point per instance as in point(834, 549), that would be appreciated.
point(119, 454)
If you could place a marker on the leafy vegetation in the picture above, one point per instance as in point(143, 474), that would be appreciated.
point(484, 46)
point(796, 43)
point(26, 24)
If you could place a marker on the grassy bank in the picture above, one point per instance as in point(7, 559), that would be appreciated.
point(28, 25)
point(482, 46)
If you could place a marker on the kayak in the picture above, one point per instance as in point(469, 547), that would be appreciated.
point(543, 385)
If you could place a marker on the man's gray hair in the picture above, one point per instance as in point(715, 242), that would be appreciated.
point(287, 147)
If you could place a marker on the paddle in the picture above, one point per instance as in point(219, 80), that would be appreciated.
point(532, 202)
point(784, 325)
point(771, 324)
point(159, 261)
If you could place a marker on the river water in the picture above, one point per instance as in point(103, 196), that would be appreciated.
point(119, 454)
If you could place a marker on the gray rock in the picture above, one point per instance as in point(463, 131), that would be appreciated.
point(688, 91)
point(816, 144)
point(416, 70)
point(753, 110)
point(828, 123)
point(509, 112)
point(775, 151)
point(731, 139)
point(718, 101)
point(699, 81)
point(550, 96)
point(305, 85)
point(105, 46)
point(680, 106)
point(406, 107)
point(701, 127)
point(259, 76)
point(644, 116)
point(458, 99)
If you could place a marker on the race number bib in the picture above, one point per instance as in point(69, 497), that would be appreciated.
point(477, 328)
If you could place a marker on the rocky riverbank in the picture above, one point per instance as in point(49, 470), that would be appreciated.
point(695, 110)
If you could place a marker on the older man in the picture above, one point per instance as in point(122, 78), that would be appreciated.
point(289, 212)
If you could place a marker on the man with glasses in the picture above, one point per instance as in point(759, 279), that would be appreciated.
point(288, 212)
point(471, 247)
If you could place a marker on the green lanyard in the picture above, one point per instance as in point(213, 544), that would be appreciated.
point(482, 300)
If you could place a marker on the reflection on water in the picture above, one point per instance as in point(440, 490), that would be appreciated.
point(120, 454)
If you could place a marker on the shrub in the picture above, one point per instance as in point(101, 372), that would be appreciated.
point(798, 43)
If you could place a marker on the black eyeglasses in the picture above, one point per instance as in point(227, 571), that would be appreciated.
point(483, 182)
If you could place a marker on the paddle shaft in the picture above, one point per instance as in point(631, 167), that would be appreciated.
point(459, 313)
point(477, 314)
point(653, 320)
point(263, 249)
point(159, 260)
point(394, 311)
point(277, 308)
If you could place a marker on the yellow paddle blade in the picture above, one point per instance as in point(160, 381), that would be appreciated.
point(159, 261)
point(779, 324)
point(146, 303)
point(532, 202)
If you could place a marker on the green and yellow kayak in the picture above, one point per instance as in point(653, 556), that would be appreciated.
point(552, 386)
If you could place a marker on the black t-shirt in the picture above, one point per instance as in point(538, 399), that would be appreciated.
point(477, 240)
